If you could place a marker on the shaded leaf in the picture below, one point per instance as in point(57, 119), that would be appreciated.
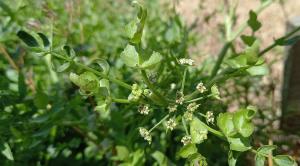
point(248, 40)
point(28, 39)
point(253, 22)
point(187, 150)
point(45, 39)
point(154, 59)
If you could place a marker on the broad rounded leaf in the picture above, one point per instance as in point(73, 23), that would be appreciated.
point(187, 150)
point(153, 60)
point(225, 123)
point(239, 143)
point(284, 160)
point(198, 131)
point(129, 56)
point(242, 123)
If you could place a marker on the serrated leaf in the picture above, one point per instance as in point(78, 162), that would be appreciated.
point(225, 123)
point(198, 131)
point(248, 40)
point(187, 150)
point(284, 160)
point(6, 151)
point(253, 22)
point(28, 39)
point(45, 39)
point(154, 59)
point(197, 160)
point(130, 57)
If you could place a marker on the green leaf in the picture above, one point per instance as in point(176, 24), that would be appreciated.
point(187, 150)
point(284, 160)
point(197, 160)
point(251, 53)
point(248, 40)
point(6, 151)
point(239, 143)
point(253, 22)
point(215, 92)
point(258, 70)
point(287, 42)
point(45, 40)
point(63, 67)
point(259, 160)
point(103, 64)
point(225, 123)
point(130, 57)
point(69, 51)
point(122, 153)
point(131, 28)
point(198, 131)
point(41, 100)
point(161, 159)
point(153, 60)
point(28, 39)
point(22, 87)
point(232, 157)
point(242, 123)
point(173, 34)
point(87, 81)
point(142, 16)
point(266, 149)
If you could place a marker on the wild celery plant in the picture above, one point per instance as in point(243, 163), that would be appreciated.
point(168, 93)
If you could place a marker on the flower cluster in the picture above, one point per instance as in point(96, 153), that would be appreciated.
point(144, 109)
point(145, 134)
point(136, 93)
point(191, 108)
point(171, 124)
point(201, 88)
point(186, 140)
point(179, 98)
point(210, 117)
point(203, 135)
point(184, 61)
point(172, 108)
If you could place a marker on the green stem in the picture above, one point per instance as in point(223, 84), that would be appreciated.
point(152, 88)
point(275, 44)
point(220, 59)
point(184, 126)
point(213, 131)
point(157, 124)
point(119, 82)
point(183, 80)
point(125, 101)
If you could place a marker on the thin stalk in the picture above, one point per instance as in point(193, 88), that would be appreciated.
point(157, 124)
point(151, 87)
point(213, 131)
point(275, 44)
point(125, 101)
point(119, 82)
point(220, 59)
point(184, 126)
point(8, 58)
point(183, 80)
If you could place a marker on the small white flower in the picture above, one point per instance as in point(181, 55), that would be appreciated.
point(145, 134)
point(172, 108)
point(173, 86)
point(179, 98)
point(144, 109)
point(192, 107)
point(210, 117)
point(136, 93)
point(184, 61)
point(171, 124)
point(188, 116)
point(201, 88)
point(186, 140)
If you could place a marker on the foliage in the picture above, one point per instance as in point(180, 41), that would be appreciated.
point(106, 86)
